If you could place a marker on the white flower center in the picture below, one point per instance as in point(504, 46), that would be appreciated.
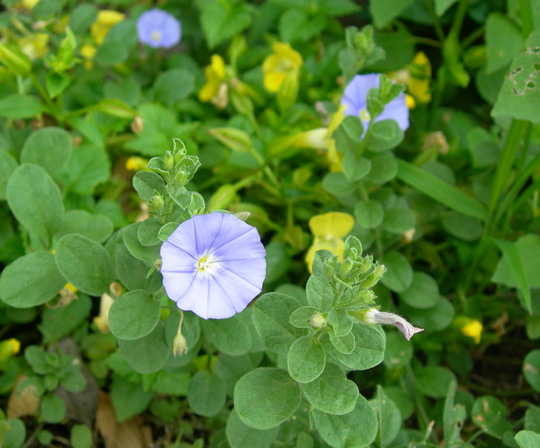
point(364, 115)
point(155, 35)
point(207, 264)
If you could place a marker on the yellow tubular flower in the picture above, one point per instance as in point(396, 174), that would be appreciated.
point(420, 75)
point(328, 231)
point(215, 77)
point(282, 62)
point(473, 330)
point(8, 348)
point(102, 321)
point(28, 4)
point(136, 163)
point(105, 21)
point(35, 45)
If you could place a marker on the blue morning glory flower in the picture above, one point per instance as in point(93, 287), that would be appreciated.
point(355, 100)
point(213, 265)
point(159, 29)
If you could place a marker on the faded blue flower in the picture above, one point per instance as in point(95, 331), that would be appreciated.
point(159, 29)
point(355, 100)
point(213, 265)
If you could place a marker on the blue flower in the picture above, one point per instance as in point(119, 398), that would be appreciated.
point(213, 265)
point(159, 29)
point(355, 100)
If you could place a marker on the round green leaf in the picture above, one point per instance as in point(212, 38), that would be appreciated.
point(337, 184)
point(95, 227)
point(7, 166)
point(52, 408)
point(85, 264)
point(133, 273)
point(14, 438)
point(527, 439)
point(435, 318)
point(423, 292)
point(230, 336)
point(398, 220)
point(434, 381)
point(461, 226)
point(383, 169)
point(369, 214)
point(148, 354)
point(266, 397)
point(134, 315)
point(332, 392)
point(389, 417)
point(173, 85)
point(206, 394)
point(356, 429)
point(49, 148)
point(148, 232)
point(31, 280)
point(489, 413)
point(81, 436)
point(398, 352)
point(306, 360)
point(399, 274)
point(232, 368)
point(368, 351)
point(531, 369)
point(271, 315)
point(18, 105)
point(87, 167)
point(385, 135)
point(35, 200)
point(241, 436)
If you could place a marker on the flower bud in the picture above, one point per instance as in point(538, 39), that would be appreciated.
point(233, 138)
point(116, 108)
point(317, 321)
point(408, 330)
point(157, 202)
point(179, 345)
point(137, 125)
point(8, 348)
point(345, 268)
point(179, 150)
point(168, 161)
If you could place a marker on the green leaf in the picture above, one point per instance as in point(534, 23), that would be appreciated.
point(222, 20)
point(389, 418)
point(423, 292)
point(368, 352)
point(148, 232)
point(354, 169)
point(133, 273)
point(31, 280)
point(489, 414)
point(15, 436)
point(57, 323)
point(348, 137)
point(35, 200)
point(49, 148)
point(147, 184)
point(81, 436)
point(206, 394)
point(127, 90)
point(358, 428)
point(85, 264)
point(385, 135)
point(319, 293)
point(134, 315)
point(117, 44)
point(7, 166)
point(461, 226)
point(240, 435)
point(341, 322)
point(173, 85)
point(398, 220)
point(441, 6)
point(232, 368)
point(399, 274)
point(73, 382)
point(434, 381)
point(52, 408)
point(300, 318)
point(399, 351)
point(527, 439)
point(266, 397)
point(306, 359)
point(384, 11)
point(147, 354)
point(519, 95)
point(435, 318)
point(37, 358)
point(511, 268)
point(369, 214)
point(231, 336)
point(271, 314)
point(441, 191)
point(56, 83)
point(18, 105)
point(503, 41)
point(337, 184)
point(332, 392)
point(277, 261)
point(531, 369)
point(87, 167)
point(82, 17)
point(147, 254)
point(96, 227)
point(344, 344)
point(129, 398)
point(454, 416)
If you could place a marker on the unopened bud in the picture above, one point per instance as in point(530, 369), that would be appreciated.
point(346, 267)
point(317, 321)
point(180, 344)
point(408, 330)
point(233, 138)
point(179, 150)
point(157, 202)
point(8, 348)
point(137, 125)
point(181, 177)
point(168, 161)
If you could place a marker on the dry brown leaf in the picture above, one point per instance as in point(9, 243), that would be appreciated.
point(23, 402)
point(120, 435)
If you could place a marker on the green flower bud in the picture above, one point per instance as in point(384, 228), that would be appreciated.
point(317, 321)
point(179, 150)
point(168, 161)
point(157, 202)
point(346, 267)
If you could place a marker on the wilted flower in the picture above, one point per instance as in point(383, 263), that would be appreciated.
point(213, 265)
point(374, 316)
point(159, 29)
point(215, 88)
point(105, 21)
point(355, 100)
point(329, 230)
point(283, 62)
point(35, 45)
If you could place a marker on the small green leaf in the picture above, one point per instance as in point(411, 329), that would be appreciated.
point(344, 344)
point(399, 274)
point(206, 394)
point(129, 398)
point(230, 336)
point(385, 135)
point(300, 318)
point(81, 436)
point(489, 414)
point(306, 360)
point(423, 291)
point(383, 169)
point(337, 184)
point(134, 315)
point(52, 408)
point(95, 227)
point(87, 167)
point(18, 105)
point(240, 435)
point(503, 41)
point(527, 439)
point(7, 166)
point(435, 318)
point(173, 85)
point(434, 381)
point(531, 369)
point(222, 20)
point(147, 354)
point(266, 397)
point(369, 214)
point(319, 293)
point(389, 417)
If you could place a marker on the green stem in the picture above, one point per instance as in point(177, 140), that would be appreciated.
point(526, 14)
point(476, 34)
point(436, 22)
point(43, 93)
point(424, 422)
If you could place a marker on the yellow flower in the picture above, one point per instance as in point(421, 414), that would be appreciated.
point(420, 75)
point(28, 4)
point(8, 348)
point(35, 45)
point(473, 330)
point(321, 139)
point(136, 163)
point(105, 21)
point(215, 86)
point(284, 61)
point(328, 231)
point(102, 321)
point(88, 52)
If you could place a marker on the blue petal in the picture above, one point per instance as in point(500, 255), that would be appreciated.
point(397, 110)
